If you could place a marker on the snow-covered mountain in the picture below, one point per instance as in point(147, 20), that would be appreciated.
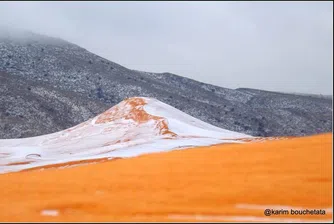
point(48, 85)
point(133, 127)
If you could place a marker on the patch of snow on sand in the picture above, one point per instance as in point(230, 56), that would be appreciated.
point(116, 133)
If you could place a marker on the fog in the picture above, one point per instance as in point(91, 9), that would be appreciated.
point(279, 46)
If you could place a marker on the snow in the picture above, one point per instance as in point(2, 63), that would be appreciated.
point(114, 134)
point(50, 212)
point(184, 124)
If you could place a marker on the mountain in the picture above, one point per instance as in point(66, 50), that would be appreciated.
point(133, 127)
point(48, 84)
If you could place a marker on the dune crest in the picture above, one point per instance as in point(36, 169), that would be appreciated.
point(135, 126)
point(133, 109)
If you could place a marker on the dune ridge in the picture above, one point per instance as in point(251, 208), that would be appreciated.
point(135, 126)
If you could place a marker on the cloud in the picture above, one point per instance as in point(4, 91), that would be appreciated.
point(280, 46)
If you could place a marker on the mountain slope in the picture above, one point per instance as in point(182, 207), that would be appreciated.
point(132, 127)
point(86, 79)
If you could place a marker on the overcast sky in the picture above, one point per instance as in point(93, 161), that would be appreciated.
point(280, 46)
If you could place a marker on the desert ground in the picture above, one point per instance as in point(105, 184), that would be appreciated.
point(224, 182)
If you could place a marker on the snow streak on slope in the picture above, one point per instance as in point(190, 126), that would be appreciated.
point(133, 127)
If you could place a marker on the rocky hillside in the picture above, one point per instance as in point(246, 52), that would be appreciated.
point(48, 84)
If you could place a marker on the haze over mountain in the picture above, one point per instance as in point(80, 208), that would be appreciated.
point(48, 84)
point(275, 46)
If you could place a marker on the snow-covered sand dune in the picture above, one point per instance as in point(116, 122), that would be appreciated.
point(133, 127)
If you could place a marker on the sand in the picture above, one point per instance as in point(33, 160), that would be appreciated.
point(227, 182)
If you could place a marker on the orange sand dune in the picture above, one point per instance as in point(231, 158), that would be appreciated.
point(217, 183)
point(136, 112)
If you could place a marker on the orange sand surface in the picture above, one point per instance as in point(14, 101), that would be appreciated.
point(217, 183)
